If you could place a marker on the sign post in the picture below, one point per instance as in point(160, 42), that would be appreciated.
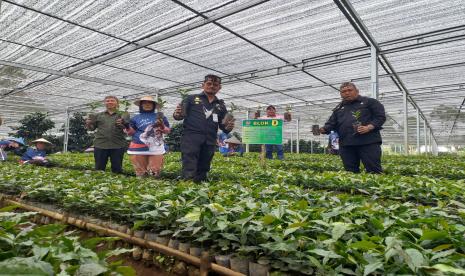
point(262, 132)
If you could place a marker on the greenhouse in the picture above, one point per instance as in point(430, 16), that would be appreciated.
point(306, 212)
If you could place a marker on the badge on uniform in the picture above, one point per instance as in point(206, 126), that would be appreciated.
point(215, 117)
point(197, 100)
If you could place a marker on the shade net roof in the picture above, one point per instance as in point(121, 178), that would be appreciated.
point(66, 54)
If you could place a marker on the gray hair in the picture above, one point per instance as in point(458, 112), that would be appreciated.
point(346, 84)
point(111, 97)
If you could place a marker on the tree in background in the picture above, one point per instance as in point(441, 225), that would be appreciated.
point(33, 126)
point(173, 139)
point(79, 139)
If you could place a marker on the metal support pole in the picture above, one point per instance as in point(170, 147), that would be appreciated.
point(247, 146)
point(424, 134)
point(298, 136)
point(405, 106)
point(311, 146)
point(66, 135)
point(374, 73)
point(292, 141)
point(429, 141)
point(418, 131)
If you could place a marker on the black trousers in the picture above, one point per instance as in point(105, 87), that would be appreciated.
point(197, 156)
point(370, 155)
point(116, 158)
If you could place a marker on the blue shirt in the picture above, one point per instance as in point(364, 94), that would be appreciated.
point(140, 124)
point(31, 153)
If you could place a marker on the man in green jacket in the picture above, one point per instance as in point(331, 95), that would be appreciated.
point(109, 142)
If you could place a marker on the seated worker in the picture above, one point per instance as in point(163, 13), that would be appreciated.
point(221, 137)
point(36, 155)
point(10, 144)
point(233, 147)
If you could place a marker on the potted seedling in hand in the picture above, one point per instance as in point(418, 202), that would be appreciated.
point(122, 112)
point(229, 117)
point(93, 106)
point(160, 105)
point(181, 111)
point(287, 114)
point(356, 114)
point(258, 112)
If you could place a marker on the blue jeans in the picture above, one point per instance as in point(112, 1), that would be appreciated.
point(279, 150)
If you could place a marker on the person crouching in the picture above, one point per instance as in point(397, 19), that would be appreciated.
point(37, 155)
point(147, 146)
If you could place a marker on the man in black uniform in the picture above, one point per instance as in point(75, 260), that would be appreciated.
point(202, 113)
point(358, 121)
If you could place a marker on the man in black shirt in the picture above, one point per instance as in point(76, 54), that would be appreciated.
point(203, 114)
point(358, 121)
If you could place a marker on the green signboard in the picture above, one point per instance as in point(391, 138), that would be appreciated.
point(268, 131)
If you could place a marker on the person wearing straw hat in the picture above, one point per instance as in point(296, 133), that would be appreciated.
point(232, 147)
point(110, 140)
point(147, 146)
point(10, 144)
point(36, 155)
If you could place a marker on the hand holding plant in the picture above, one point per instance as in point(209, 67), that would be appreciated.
point(356, 114)
point(287, 114)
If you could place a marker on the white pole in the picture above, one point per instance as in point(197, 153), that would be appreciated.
point(292, 141)
point(247, 146)
point(298, 136)
point(418, 131)
point(374, 73)
point(405, 106)
point(66, 135)
point(424, 134)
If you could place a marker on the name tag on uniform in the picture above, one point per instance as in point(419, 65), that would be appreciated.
point(215, 117)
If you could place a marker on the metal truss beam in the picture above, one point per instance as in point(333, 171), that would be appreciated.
point(69, 74)
point(146, 42)
point(355, 20)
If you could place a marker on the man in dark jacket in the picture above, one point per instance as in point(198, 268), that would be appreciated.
point(358, 121)
point(203, 114)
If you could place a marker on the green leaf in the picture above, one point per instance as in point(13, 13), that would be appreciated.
point(125, 270)
point(442, 247)
point(415, 260)
point(364, 245)
point(289, 231)
point(339, 230)
point(377, 223)
point(449, 269)
point(25, 266)
point(433, 235)
point(268, 219)
point(443, 254)
point(91, 269)
point(48, 230)
point(325, 253)
point(9, 208)
point(370, 268)
point(194, 215)
point(93, 242)
point(118, 251)
point(216, 207)
point(138, 224)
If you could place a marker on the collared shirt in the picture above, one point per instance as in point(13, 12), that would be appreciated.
point(196, 120)
point(342, 121)
point(108, 134)
point(31, 153)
